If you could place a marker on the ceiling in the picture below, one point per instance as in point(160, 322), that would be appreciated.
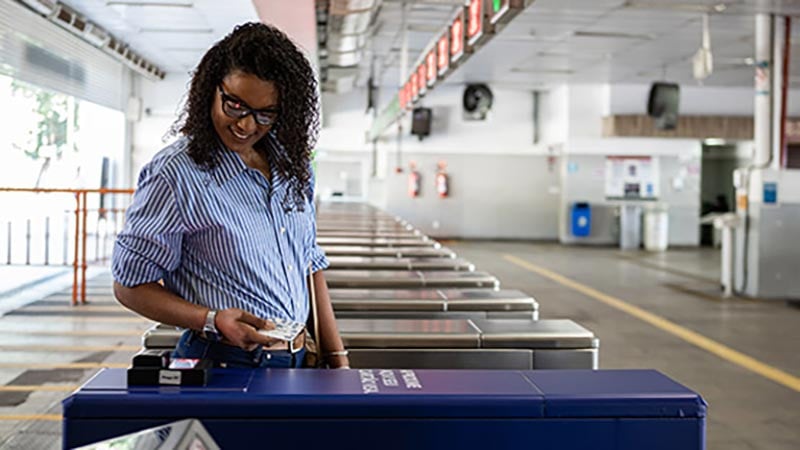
point(613, 41)
point(172, 34)
point(553, 41)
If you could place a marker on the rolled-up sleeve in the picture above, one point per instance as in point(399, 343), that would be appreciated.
point(149, 245)
point(318, 259)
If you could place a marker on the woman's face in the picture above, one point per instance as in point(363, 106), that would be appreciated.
point(245, 109)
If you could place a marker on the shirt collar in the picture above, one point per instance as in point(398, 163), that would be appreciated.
point(229, 164)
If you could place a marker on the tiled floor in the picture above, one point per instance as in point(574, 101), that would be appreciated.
point(747, 411)
point(54, 347)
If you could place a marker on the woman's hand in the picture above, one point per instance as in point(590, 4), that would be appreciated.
point(338, 362)
point(240, 328)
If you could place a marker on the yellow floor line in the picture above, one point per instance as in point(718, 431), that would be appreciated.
point(84, 365)
point(692, 337)
point(21, 417)
point(68, 348)
point(40, 387)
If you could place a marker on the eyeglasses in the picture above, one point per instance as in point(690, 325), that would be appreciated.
point(236, 109)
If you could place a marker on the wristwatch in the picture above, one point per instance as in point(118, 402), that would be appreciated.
point(210, 331)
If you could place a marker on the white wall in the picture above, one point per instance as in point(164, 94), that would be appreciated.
point(679, 185)
point(161, 103)
point(588, 104)
point(554, 116)
point(500, 179)
point(344, 121)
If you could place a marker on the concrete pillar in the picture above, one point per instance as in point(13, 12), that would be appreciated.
point(764, 89)
point(769, 43)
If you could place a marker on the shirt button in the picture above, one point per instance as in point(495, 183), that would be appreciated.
point(290, 267)
point(283, 230)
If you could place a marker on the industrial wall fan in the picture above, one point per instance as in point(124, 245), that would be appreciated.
point(477, 101)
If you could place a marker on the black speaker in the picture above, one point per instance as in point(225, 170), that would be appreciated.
point(663, 104)
point(421, 122)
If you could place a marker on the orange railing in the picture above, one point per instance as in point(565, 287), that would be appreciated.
point(80, 260)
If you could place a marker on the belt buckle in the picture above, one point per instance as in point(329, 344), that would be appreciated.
point(292, 348)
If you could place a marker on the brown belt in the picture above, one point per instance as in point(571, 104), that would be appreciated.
point(292, 347)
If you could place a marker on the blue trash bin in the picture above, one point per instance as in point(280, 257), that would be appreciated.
point(581, 219)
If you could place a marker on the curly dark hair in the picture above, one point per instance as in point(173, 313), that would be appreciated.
point(266, 52)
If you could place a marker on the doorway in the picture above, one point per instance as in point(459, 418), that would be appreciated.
point(717, 194)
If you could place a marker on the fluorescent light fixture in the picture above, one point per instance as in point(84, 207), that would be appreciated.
point(714, 142)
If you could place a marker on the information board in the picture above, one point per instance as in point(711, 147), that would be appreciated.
point(499, 9)
point(457, 37)
point(474, 21)
point(430, 66)
point(422, 79)
point(443, 56)
point(632, 177)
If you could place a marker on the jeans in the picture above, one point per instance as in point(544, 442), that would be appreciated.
point(192, 345)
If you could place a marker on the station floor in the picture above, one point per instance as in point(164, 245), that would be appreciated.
point(661, 311)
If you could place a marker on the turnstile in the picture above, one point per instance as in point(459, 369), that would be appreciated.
point(433, 303)
point(390, 263)
point(374, 234)
point(453, 343)
point(400, 279)
point(363, 226)
point(469, 344)
point(376, 242)
point(401, 409)
point(396, 252)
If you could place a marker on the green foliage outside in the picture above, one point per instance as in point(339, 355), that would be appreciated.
point(51, 132)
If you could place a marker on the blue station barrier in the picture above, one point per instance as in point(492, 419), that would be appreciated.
point(420, 409)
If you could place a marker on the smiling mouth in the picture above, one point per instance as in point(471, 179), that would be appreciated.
point(240, 136)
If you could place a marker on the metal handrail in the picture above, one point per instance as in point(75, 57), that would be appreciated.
point(81, 213)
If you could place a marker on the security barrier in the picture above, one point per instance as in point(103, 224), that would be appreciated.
point(14, 198)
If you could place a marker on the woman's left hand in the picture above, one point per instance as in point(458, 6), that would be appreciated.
point(338, 362)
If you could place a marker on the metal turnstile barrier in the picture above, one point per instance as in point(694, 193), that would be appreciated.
point(394, 252)
point(376, 242)
point(453, 344)
point(392, 263)
point(402, 279)
point(433, 303)
point(405, 234)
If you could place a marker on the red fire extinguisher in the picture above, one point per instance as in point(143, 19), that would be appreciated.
point(413, 180)
point(442, 180)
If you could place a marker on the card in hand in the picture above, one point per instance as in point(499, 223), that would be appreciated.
point(285, 330)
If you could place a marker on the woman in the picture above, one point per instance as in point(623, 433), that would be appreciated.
point(225, 215)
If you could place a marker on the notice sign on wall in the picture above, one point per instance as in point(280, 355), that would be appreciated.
point(632, 177)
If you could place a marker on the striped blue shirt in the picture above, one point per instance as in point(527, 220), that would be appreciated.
point(220, 238)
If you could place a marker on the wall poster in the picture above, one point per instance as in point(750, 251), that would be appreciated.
point(632, 177)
